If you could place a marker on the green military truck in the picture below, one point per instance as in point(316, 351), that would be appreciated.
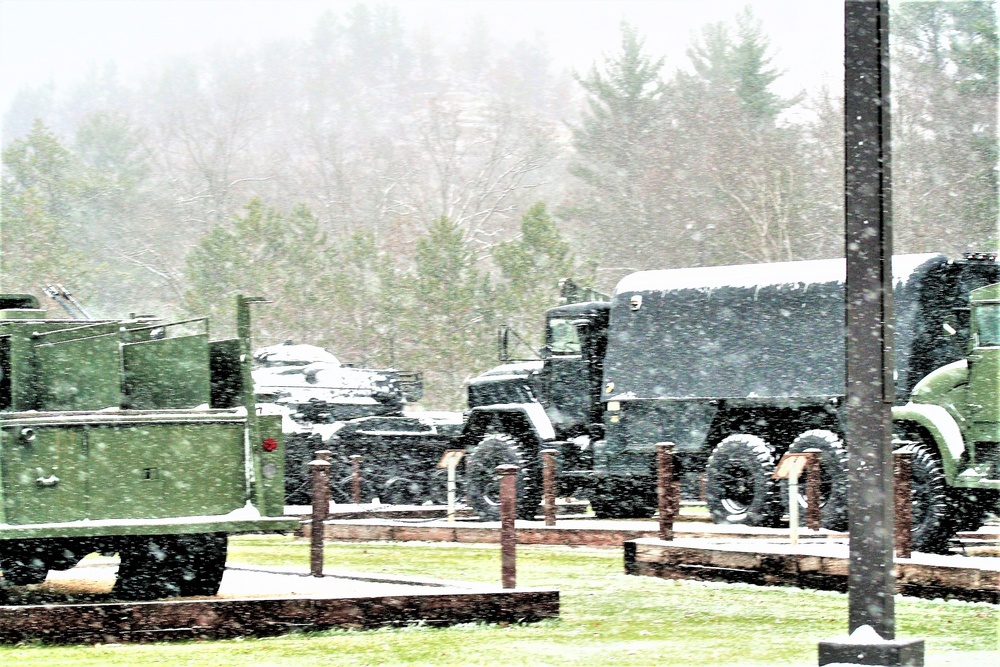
point(738, 365)
point(135, 437)
point(951, 426)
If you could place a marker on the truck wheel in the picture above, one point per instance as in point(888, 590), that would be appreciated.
point(147, 570)
point(201, 562)
point(399, 490)
point(437, 487)
point(934, 516)
point(483, 483)
point(300, 449)
point(832, 478)
point(23, 570)
point(974, 505)
point(739, 487)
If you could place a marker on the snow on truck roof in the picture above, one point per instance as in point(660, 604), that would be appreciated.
point(758, 275)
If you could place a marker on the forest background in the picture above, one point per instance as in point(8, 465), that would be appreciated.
point(397, 196)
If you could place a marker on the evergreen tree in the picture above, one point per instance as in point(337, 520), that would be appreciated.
point(284, 259)
point(531, 267)
point(369, 304)
point(38, 237)
point(945, 192)
point(450, 321)
point(736, 72)
point(740, 191)
point(622, 117)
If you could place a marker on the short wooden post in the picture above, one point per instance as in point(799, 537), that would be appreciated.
point(666, 490)
point(356, 478)
point(903, 503)
point(508, 534)
point(320, 472)
point(549, 485)
point(812, 489)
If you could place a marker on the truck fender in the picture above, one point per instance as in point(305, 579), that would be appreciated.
point(941, 426)
point(530, 417)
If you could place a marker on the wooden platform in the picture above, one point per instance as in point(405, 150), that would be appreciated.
point(816, 565)
point(572, 532)
point(74, 606)
point(719, 552)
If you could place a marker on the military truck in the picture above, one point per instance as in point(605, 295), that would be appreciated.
point(131, 436)
point(951, 426)
point(736, 365)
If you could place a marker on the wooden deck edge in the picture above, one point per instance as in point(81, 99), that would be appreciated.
point(227, 618)
point(661, 559)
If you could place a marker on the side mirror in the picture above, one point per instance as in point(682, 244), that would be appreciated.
point(950, 325)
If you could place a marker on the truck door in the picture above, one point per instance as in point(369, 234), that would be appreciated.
point(568, 373)
point(984, 362)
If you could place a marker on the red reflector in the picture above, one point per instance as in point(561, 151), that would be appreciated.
point(269, 444)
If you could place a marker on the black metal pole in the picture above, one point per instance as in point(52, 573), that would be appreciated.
point(869, 364)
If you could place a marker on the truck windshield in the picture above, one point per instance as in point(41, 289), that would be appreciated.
point(988, 325)
point(563, 337)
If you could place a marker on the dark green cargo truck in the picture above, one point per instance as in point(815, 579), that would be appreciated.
point(737, 365)
point(135, 437)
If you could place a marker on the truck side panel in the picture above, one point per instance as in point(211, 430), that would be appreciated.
point(167, 373)
point(137, 471)
point(78, 374)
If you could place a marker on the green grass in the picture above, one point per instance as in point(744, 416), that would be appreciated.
point(607, 618)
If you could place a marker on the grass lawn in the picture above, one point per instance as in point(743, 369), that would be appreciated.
point(607, 618)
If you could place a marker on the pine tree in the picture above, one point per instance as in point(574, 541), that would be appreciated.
point(740, 189)
point(450, 319)
point(531, 267)
point(945, 191)
point(622, 117)
point(38, 236)
point(284, 258)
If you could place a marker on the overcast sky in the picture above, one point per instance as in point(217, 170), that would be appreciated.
point(57, 40)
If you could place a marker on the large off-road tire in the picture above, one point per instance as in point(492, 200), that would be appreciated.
point(739, 486)
point(162, 566)
point(832, 476)
point(483, 483)
point(23, 569)
point(147, 569)
point(401, 490)
point(935, 517)
point(300, 449)
point(201, 562)
point(624, 498)
point(437, 487)
point(973, 506)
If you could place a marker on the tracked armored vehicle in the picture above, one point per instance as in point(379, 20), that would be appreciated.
point(326, 404)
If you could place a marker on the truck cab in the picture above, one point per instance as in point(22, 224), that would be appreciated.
point(521, 406)
point(569, 383)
